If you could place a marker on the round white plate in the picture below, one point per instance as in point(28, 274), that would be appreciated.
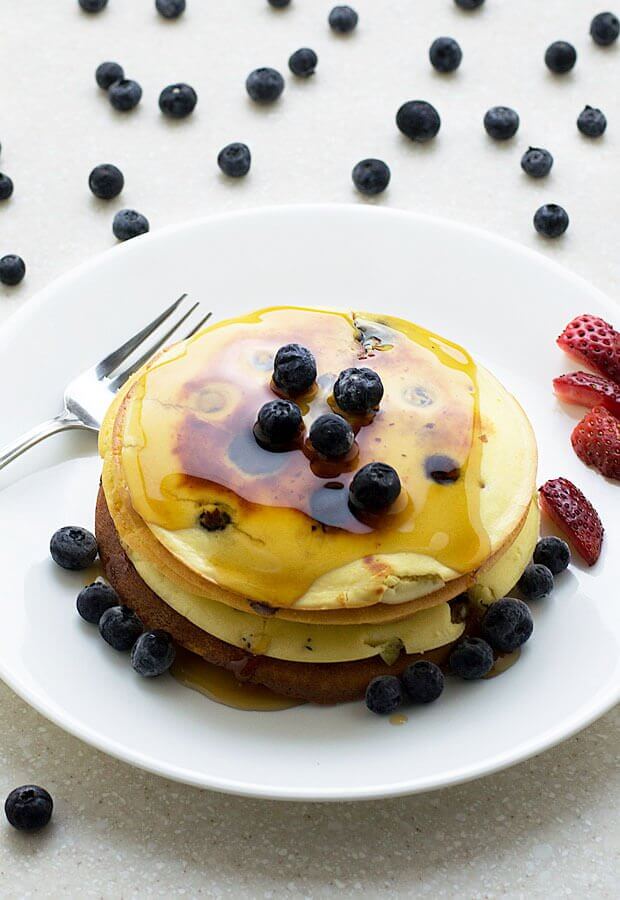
point(503, 303)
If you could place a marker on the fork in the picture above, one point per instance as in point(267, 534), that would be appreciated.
point(88, 396)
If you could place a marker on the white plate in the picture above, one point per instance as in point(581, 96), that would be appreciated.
point(502, 302)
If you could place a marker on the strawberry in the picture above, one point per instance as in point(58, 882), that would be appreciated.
point(596, 343)
point(586, 389)
point(573, 513)
point(596, 441)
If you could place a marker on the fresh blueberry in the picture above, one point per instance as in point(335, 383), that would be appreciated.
point(554, 553)
point(418, 120)
point(605, 29)
point(560, 57)
point(264, 85)
point(551, 220)
point(29, 807)
point(423, 681)
point(374, 487)
point(6, 186)
point(278, 423)
point(294, 369)
point(120, 627)
point(303, 62)
point(384, 694)
point(536, 583)
point(343, 19)
point(128, 223)
point(93, 5)
point(501, 122)
point(471, 658)
point(153, 653)
point(331, 436)
point(107, 73)
point(124, 94)
point(279, 4)
point(536, 162)
point(507, 624)
point(469, 4)
point(12, 269)
point(106, 181)
point(358, 390)
point(445, 54)
point(178, 100)
point(94, 599)
point(170, 9)
point(591, 122)
point(371, 176)
point(73, 547)
point(441, 469)
point(235, 160)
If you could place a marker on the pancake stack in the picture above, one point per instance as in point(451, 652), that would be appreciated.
point(256, 561)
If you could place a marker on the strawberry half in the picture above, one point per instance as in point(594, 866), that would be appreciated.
point(596, 441)
point(586, 389)
point(573, 513)
point(595, 342)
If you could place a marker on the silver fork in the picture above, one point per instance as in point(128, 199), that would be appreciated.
point(88, 396)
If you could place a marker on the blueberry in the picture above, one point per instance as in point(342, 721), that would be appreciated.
point(374, 487)
point(29, 807)
point(178, 100)
point(73, 547)
point(235, 160)
point(12, 269)
point(418, 120)
point(94, 599)
point(554, 553)
point(93, 5)
point(591, 122)
point(442, 469)
point(303, 62)
point(423, 681)
point(278, 423)
point(445, 54)
point(471, 658)
point(536, 583)
point(106, 181)
point(536, 162)
point(125, 94)
point(128, 223)
point(551, 220)
point(120, 627)
point(107, 73)
point(153, 653)
point(294, 369)
point(501, 122)
point(343, 19)
point(605, 29)
point(371, 176)
point(331, 436)
point(6, 186)
point(469, 4)
point(384, 694)
point(264, 85)
point(279, 4)
point(170, 9)
point(507, 624)
point(560, 57)
point(358, 390)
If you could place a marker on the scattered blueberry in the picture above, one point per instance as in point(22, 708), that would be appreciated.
point(331, 436)
point(441, 469)
point(106, 181)
point(471, 658)
point(501, 123)
point(384, 694)
point(264, 85)
point(507, 624)
point(124, 94)
point(423, 681)
point(358, 390)
point(153, 653)
point(418, 120)
point(343, 19)
point(128, 223)
point(278, 423)
point(73, 547)
point(170, 9)
point(537, 162)
point(235, 160)
point(536, 583)
point(591, 122)
point(12, 269)
point(279, 4)
point(469, 4)
point(551, 220)
point(93, 5)
point(303, 62)
point(6, 186)
point(374, 487)
point(605, 29)
point(107, 73)
point(294, 369)
point(178, 100)
point(554, 553)
point(29, 807)
point(94, 599)
point(560, 57)
point(445, 54)
point(371, 176)
point(120, 627)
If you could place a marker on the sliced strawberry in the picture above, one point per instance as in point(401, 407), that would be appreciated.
point(595, 342)
point(596, 441)
point(586, 389)
point(574, 515)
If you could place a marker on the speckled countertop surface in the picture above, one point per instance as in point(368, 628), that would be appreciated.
point(546, 828)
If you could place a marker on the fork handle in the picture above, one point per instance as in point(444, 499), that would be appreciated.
point(63, 422)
